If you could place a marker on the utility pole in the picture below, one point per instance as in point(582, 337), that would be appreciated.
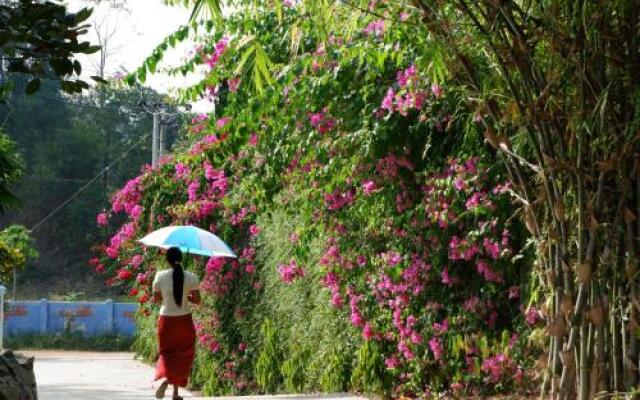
point(162, 133)
point(154, 139)
point(163, 116)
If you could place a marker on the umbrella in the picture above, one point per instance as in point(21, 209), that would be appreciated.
point(189, 239)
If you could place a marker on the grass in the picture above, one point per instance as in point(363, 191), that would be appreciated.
point(68, 341)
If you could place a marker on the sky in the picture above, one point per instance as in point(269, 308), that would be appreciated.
point(135, 33)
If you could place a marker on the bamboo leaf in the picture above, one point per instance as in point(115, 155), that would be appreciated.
point(245, 57)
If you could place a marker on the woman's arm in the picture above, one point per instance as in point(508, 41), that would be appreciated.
point(194, 297)
point(157, 297)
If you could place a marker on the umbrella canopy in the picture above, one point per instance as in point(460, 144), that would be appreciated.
point(190, 240)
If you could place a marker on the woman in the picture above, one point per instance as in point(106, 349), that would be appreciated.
point(175, 289)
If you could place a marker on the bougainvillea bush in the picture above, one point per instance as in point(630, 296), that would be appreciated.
point(374, 233)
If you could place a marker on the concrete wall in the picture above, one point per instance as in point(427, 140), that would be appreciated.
point(88, 318)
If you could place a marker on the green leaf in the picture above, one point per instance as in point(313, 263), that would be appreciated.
point(33, 86)
point(102, 81)
point(245, 56)
point(82, 15)
point(77, 67)
point(142, 74)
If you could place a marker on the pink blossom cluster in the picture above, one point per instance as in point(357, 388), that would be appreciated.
point(218, 50)
point(321, 121)
point(234, 84)
point(102, 219)
point(128, 197)
point(500, 366)
point(198, 123)
point(375, 28)
point(396, 301)
point(389, 165)
point(205, 337)
point(125, 233)
point(290, 272)
point(337, 199)
point(409, 95)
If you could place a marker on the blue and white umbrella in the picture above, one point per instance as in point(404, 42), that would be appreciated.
point(190, 240)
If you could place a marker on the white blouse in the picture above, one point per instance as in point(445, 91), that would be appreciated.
point(163, 283)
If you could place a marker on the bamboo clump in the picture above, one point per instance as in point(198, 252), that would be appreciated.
point(563, 115)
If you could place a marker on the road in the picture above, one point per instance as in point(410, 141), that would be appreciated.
point(92, 375)
point(72, 375)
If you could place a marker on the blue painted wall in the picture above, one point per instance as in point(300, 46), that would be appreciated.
point(87, 318)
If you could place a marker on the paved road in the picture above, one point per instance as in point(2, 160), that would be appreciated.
point(66, 375)
point(93, 376)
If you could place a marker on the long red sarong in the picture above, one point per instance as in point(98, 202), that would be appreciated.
point(177, 337)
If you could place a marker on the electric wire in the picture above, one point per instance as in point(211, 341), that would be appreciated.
point(86, 185)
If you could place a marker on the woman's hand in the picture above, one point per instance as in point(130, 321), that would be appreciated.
point(157, 297)
point(194, 297)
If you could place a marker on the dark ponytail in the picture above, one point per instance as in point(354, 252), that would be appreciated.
point(174, 256)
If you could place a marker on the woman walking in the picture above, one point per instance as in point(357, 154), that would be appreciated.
point(175, 288)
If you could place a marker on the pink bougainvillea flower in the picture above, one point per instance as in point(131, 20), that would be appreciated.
point(441, 328)
point(391, 363)
point(192, 190)
point(210, 94)
point(356, 319)
point(219, 49)
point(446, 279)
point(368, 187)
point(136, 260)
point(532, 316)
point(375, 28)
point(336, 300)
point(253, 139)
point(290, 272)
point(136, 211)
point(254, 230)
point(234, 84)
point(111, 252)
point(124, 274)
point(435, 344)
point(182, 171)
point(387, 102)
point(436, 90)
point(102, 219)
point(361, 260)
point(222, 122)
point(367, 331)
point(294, 238)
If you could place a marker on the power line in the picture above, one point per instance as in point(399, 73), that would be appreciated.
point(85, 186)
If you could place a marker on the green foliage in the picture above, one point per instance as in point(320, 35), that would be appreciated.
point(16, 247)
point(65, 142)
point(336, 375)
point(369, 374)
point(268, 369)
point(293, 370)
point(40, 39)
point(19, 237)
point(68, 341)
point(339, 165)
point(11, 168)
point(145, 344)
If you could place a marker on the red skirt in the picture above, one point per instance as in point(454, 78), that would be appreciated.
point(177, 337)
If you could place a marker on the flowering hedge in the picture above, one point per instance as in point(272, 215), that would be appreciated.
point(369, 258)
